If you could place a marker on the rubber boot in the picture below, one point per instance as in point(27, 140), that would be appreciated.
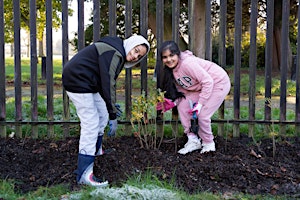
point(85, 172)
point(99, 150)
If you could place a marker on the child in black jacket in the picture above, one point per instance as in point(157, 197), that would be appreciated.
point(90, 81)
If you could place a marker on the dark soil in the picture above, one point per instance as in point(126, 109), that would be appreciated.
point(238, 165)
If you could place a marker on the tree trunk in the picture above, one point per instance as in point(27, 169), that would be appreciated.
point(197, 27)
point(167, 28)
point(277, 39)
point(41, 48)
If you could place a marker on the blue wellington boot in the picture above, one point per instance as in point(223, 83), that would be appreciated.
point(85, 172)
point(99, 150)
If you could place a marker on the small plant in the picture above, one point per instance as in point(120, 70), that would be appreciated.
point(271, 130)
point(143, 119)
point(273, 134)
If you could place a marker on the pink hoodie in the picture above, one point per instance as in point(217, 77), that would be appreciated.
point(196, 74)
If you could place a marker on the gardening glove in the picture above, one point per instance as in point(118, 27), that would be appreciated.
point(119, 111)
point(166, 105)
point(112, 127)
point(197, 108)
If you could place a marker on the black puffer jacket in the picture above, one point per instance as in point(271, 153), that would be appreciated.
point(95, 69)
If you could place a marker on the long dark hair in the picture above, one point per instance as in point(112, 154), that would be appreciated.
point(168, 82)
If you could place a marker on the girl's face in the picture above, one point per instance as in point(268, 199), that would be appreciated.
point(136, 53)
point(169, 59)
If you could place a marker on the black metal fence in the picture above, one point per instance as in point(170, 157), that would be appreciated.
point(236, 120)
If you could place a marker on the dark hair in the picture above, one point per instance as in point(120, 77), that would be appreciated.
point(170, 45)
point(145, 45)
point(168, 82)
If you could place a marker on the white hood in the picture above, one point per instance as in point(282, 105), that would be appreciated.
point(130, 43)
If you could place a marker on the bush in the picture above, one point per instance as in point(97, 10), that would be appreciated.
point(245, 51)
point(143, 119)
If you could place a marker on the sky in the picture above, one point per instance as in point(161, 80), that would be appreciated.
point(73, 23)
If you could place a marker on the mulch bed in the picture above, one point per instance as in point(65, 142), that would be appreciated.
point(238, 165)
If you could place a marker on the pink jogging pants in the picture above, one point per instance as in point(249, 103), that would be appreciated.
point(219, 92)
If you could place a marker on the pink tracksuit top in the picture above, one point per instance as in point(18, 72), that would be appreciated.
point(204, 82)
point(196, 74)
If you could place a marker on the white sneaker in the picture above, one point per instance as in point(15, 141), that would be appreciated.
point(208, 147)
point(191, 145)
point(88, 178)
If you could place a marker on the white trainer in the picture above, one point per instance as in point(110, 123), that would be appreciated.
point(88, 178)
point(191, 145)
point(208, 147)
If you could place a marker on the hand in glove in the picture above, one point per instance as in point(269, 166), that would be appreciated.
point(166, 105)
point(197, 109)
point(119, 111)
point(112, 127)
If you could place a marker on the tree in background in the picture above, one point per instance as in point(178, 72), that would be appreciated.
point(120, 9)
point(197, 30)
point(25, 19)
point(262, 12)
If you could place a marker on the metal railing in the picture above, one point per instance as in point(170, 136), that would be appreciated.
point(143, 30)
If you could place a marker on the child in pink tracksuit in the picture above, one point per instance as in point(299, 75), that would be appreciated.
point(186, 79)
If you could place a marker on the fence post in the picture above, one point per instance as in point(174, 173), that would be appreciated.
point(17, 62)
point(112, 15)
point(297, 78)
point(284, 62)
point(252, 65)
point(33, 69)
point(175, 37)
point(96, 21)
point(49, 73)
point(2, 73)
point(128, 71)
point(158, 67)
point(65, 58)
point(43, 67)
point(222, 56)
point(143, 32)
point(208, 42)
point(269, 62)
point(237, 64)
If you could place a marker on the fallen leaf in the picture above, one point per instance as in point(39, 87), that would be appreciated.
point(253, 153)
point(283, 169)
point(53, 145)
point(40, 150)
point(276, 187)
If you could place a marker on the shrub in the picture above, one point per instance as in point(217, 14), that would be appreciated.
point(143, 119)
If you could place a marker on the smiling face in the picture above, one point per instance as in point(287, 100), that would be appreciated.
point(136, 53)
point(169, 59)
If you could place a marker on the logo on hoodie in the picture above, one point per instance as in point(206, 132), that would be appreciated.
point(185, 81)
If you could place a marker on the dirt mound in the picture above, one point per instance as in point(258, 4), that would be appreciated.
point(238, 165)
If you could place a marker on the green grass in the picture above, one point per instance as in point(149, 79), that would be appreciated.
point(259, 128)
point(260, 84)
point(140, 186)
point(42, 116)
point(26, 70)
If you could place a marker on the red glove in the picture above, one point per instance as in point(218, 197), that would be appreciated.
point(166, 105)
